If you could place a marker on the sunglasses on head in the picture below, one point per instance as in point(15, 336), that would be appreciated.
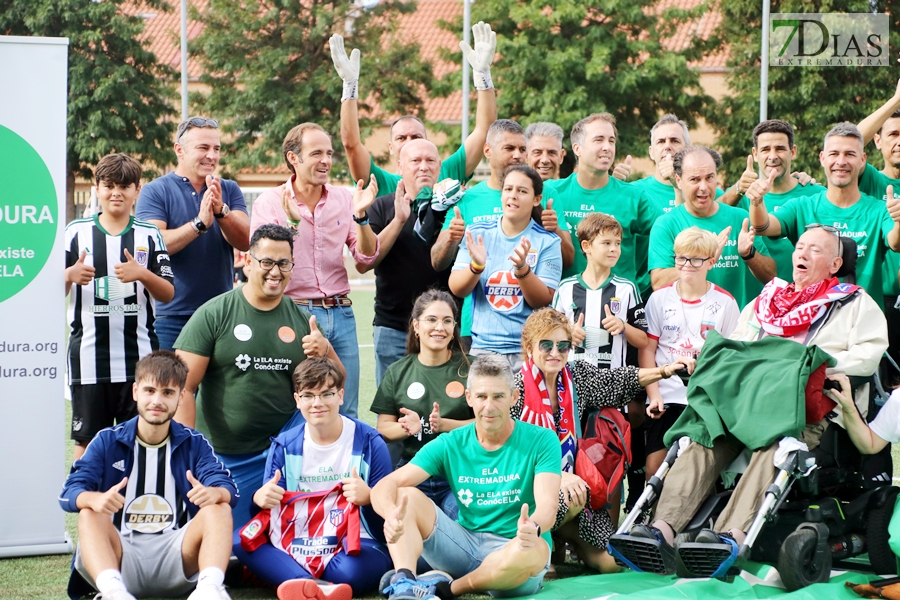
point(547, 346)
point(195, 122)
point(829, 229)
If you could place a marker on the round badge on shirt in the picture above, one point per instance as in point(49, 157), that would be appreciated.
point(455, 389)
point(415, 390)
point(243, 332)
point(286, 334)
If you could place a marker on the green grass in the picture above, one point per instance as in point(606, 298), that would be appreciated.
point(45, 577)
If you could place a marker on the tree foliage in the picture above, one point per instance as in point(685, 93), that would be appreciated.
point(811, 99)
point(268, 67)
point(560, 60)
point(119, 94)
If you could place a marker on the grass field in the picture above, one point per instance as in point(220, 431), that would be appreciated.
point(45, 577)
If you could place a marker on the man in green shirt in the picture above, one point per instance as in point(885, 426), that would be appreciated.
point(545, 148)
point(591, 189)
point(774, 150)
point(499, 469)
point(874, 225)
point(463, 162)
point(743, 264)
point(883, 126)
point(241, 349)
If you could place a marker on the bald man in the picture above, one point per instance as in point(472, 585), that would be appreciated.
point(406, 234)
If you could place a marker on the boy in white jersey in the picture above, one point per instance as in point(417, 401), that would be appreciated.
point(119, 267)
point(679, 316)
point(317, 522)
point(153, 500)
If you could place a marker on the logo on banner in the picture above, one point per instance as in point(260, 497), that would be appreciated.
point(503, 292)
point(828, 40)
point(336, 517)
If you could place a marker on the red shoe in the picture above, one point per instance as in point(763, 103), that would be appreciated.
point(307, 589)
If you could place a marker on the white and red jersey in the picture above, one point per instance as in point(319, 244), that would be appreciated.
point(680, 328)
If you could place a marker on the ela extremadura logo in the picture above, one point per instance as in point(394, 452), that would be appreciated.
point(28, 213)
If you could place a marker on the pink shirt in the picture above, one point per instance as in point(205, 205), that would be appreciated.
point(319, 270)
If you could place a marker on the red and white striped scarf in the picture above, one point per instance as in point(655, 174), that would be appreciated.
point(785, 311)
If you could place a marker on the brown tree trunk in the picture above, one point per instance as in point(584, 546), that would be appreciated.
point(70, 197)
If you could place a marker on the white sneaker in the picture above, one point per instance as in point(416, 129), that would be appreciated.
point(115, 595)
point(209, 592)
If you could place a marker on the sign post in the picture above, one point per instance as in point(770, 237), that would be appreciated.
point(32, 306)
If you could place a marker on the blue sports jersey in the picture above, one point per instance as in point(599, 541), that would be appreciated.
point(500, 309)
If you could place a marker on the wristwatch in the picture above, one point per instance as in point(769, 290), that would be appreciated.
point(752, 253)
point(224, 213)
point(199, 226)
point(538, 528)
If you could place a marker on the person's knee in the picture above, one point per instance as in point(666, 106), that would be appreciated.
point(215, 514)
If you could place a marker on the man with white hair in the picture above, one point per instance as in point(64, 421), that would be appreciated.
point(544, 148)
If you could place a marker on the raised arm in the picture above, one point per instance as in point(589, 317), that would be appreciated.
point(358, 158)
point(480, 58)
point(869, 126)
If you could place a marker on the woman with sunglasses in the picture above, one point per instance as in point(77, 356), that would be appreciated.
point(554, 393)
point(679, 316)
point(424, 393)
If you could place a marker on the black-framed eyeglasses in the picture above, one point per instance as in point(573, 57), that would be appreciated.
point(325, 396)
point(546, 346)
point(432, 321)
point(195, 122)
point(695, 262)
point(266, 264)
point(829, 229)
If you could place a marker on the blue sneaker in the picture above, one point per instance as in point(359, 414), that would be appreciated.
point(424, 587)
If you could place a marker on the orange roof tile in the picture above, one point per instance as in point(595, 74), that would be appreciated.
point(162, 32)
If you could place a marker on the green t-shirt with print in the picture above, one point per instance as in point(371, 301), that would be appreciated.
point(410, 384)
point(480, 203)
point(246, 394)
point(874, 183)
point(781, 249)
point(491, 486)
point(452, 167)
point(867, 222)
point(627, 202)
point(730, 273)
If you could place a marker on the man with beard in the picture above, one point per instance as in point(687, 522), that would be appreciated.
point(153, 500)
point(240, 349)
point(872, 224)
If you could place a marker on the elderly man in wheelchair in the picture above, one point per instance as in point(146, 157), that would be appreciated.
point(761, 390)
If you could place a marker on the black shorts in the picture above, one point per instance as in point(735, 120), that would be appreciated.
point(656, 428)
point(100, 405)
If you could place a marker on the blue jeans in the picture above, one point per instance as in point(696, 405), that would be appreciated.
point(390, 346)
point(339, 325)
point(168, 328)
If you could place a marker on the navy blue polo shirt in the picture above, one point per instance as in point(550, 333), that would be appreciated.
point(204, 268)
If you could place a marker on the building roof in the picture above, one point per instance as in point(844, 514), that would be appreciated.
point(162, 33)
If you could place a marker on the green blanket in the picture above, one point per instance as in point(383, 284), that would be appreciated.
point(754, 391)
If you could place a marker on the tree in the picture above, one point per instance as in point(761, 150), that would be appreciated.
point(811, 99)
point(561, 60)
point(268, 68)
point(119, 95)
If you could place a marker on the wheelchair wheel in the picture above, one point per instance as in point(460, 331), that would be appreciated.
point(796, 561)
point(881, 557)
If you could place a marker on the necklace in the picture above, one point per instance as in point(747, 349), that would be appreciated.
point(701, 302)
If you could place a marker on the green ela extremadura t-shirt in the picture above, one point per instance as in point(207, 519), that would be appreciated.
point(246, 394)
point(874, 183)
point(491, 487)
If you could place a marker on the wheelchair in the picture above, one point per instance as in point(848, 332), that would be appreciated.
point(825, 506)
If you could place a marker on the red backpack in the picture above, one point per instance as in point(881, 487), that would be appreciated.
point(604, 454)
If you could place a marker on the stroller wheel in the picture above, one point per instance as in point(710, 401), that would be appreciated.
point(881, 556)
point(798, 563)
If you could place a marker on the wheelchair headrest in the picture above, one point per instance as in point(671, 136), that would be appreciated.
point(847, 272)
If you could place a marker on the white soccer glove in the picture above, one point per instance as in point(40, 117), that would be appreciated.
point(482, 56)
point(347, 68)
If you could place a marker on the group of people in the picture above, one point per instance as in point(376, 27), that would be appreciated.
point(505, 311)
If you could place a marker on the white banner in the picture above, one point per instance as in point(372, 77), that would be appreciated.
point(32, 305)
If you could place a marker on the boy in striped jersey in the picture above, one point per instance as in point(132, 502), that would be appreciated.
point(153, 500)
point(119, 267)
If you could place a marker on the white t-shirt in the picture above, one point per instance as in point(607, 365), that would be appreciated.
point(325, 466)
point(887, 424)
point(680, 327)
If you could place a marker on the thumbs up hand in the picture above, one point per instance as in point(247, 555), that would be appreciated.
point(622, 170)
point(611, 323)
point(271, 493)
point(578, 332)
point(130, 270)
point(548, 218)
point(526, 531)
point(893, 204)
point(666, 167)
point(457, 227)
point(109, 502)
point(315, 344)
point(434, 419)
point(201, 495)
point(746, 238)
point(758, 189)
point(356, 490)
point(393, 524)
point(80, 273)
point(748, 177)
